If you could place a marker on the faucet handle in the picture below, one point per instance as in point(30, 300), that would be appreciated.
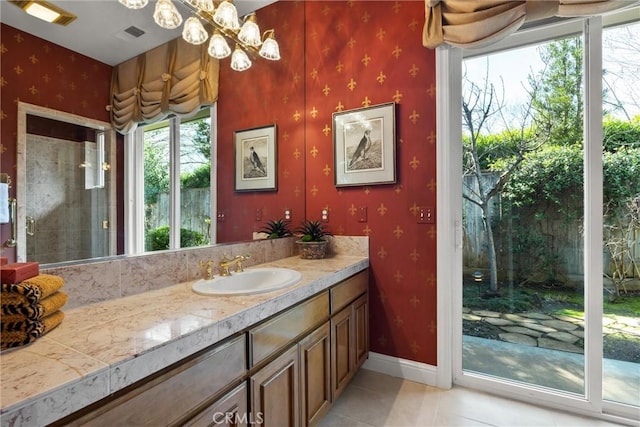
point(241, 259)
point(208, 266)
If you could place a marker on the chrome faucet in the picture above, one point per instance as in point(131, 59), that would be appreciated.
point(225, 263)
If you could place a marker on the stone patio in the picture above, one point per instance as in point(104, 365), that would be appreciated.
point(556, 332)
point(547, 350)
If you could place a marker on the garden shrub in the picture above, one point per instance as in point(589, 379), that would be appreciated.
point(158, 239)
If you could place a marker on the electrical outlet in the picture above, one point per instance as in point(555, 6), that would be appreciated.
point(221, 216)
point(287, 214)
point(325, 215)
point(426, 216)
point(362, 214)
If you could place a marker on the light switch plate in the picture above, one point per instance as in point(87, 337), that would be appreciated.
point(362, 214)
point(426, 215)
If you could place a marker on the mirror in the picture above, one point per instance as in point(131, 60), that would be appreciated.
point(66, 190)
point(281, 91)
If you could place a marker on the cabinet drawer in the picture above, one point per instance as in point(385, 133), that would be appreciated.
point(348, 290)
point(229, 411)
point(273, 335)
point(168, 397)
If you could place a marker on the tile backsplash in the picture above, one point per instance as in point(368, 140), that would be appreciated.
point(92, 282)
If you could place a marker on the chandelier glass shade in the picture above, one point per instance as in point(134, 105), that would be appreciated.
point(226, 16)
point(240, 60)
point(193, 31)
point(270, 49)
point(134, 4)
point(250, 32)
point(222, 18)
point(203, 5)
point(166, 15)
point(218, 46)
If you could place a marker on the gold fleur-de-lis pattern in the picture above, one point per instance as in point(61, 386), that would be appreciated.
point(35, 71)
point(273, 92)
point(336, 56)
point(377, 57)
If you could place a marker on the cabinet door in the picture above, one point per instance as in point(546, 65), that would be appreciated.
point(315, 375)
point(342, 348)
point(361, 329)
point(274, 392)
point(228, 411)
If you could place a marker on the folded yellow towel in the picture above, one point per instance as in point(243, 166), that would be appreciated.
point(31, 290)
point(31, 331)
point(40, 309)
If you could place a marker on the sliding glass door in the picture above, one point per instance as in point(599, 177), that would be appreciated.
point(621, 233)
point(523, 269)
point(548, 234)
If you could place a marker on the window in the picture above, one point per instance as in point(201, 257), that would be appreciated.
point(170, 188)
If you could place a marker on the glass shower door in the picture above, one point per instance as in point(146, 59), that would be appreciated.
point(68, 216)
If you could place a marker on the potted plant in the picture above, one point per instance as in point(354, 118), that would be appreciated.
point(312, 243)
point(275, 229)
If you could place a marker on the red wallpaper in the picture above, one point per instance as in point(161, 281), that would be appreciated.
point(356, 54)
point(269, 92)
point(336, 56)
point(38, 72)
point(367, 53)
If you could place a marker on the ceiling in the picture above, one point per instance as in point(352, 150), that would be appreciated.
point(98, 32)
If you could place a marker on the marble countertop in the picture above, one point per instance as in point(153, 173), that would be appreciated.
point(104, 347)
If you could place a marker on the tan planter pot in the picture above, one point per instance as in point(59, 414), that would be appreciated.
point(312, 250)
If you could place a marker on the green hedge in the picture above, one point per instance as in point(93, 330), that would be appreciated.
point(158, 239)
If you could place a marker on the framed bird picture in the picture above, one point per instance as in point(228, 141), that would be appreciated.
point(364, 143)
point(256, 159)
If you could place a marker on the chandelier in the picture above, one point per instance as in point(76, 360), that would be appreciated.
point(223, 18)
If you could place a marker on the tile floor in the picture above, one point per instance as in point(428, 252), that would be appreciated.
point(375, 399)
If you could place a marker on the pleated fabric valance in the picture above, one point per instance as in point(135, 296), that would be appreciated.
point(477, 23)
point(176, 77)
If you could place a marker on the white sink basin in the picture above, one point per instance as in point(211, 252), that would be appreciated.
point(250, 281)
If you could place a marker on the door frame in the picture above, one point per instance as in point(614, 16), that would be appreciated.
point(450, 233)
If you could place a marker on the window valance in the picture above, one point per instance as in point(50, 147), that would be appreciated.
point(176, 77)
point(476, 23)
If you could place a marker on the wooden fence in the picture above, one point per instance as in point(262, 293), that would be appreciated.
point(539, 247)
point(194, 211)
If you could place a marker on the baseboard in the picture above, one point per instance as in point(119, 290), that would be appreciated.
point(402, 368)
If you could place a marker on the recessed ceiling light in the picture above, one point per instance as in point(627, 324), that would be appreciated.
point(46, 11)
point(41, 12)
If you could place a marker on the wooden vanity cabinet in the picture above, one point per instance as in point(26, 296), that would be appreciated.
point(273, 335)
point(326, 340)
point(361, 330)
point(283, 372)
point(275, 391)
point(349, 330)
point(315, 375)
